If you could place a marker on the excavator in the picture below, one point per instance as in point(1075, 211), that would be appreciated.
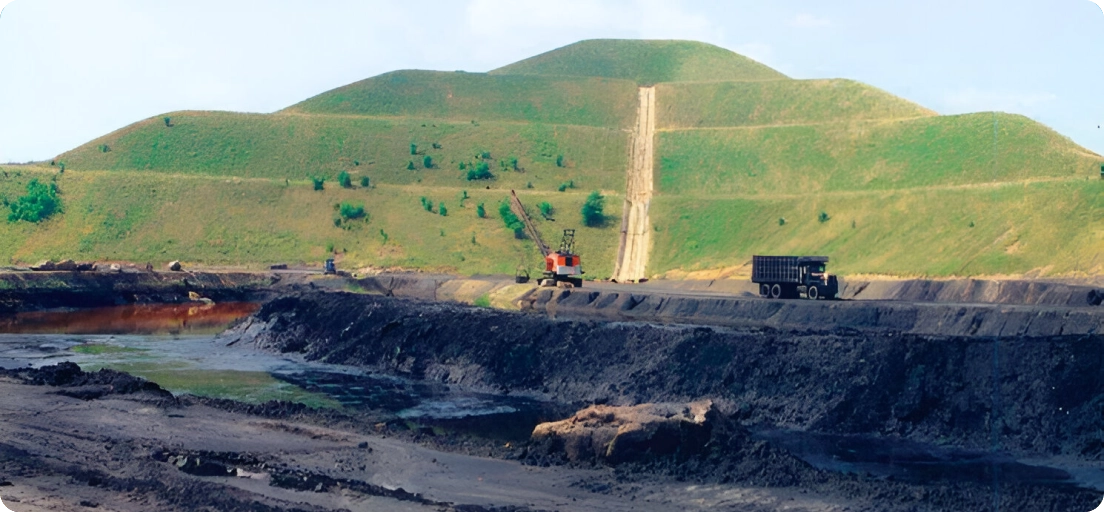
point(562, 268)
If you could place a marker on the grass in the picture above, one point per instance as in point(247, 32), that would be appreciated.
point(643, 62)
point(481, 97)
point(934, 151)
point(1051, 228)
point(141, 216)
point(780, 102)
point(297, 147)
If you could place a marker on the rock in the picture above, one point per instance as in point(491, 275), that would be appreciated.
point(623, 434)
point(174, 266)
point(278, 266)
point(115, 267)
point(66, 265)
point(45, 265)
point(86, 266)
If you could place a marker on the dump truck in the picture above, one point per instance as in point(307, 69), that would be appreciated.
point(793, 277)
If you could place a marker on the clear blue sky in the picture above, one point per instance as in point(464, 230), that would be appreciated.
point(72, 70)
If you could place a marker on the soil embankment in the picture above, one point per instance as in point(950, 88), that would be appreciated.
point(35, 291)
point(632, 256)
point(1030, 394)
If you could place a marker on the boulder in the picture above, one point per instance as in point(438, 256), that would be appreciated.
point(115, 267)
point(44, 265)
point(614, 435)
point(66, 265)
point(174, 266)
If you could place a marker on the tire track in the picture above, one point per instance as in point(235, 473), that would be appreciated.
point(632, 255)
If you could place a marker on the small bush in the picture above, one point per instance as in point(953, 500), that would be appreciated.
point(823, 217)
point(436, 145)
point(514, 164)
point(486, 155)
point(337, 222)
point(410, 165)
point(463, 166)
point(344, 180)
point(427, 205)
point(562, 187)
point(356, 163)
point(413, 148)
point(781, 221)
point(546, 209)
point(480, 211)
point(511, 221)
point(350, 211)
point(104, 148)
point(365, 182)
point(427, 162)
point(40, 202)
point(593, 214)
point(330, 247)
point(441, 210)
point(319, 183)
point(559, 161)
point(480, 172)
point(529, 184)
point(168, 121)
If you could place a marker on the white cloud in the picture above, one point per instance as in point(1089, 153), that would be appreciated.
point(3, 4)
point(806, 20)
point(974, 100)
point(1099, 3)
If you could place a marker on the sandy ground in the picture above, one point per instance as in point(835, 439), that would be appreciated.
point(58, 452)
point(635, 226)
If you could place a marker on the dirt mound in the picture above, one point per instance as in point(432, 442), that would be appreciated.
point(964, 391)
point(621, 434)
point(85, 385)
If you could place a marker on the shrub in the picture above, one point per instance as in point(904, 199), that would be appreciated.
point(514, 164)
point(511, 221)
point(592, 210)
point(529, 184)
point(781, 221)
point(330, 247)
point(62, 166)
point(463, 166)
point(480, 172)
point(480, 211)
point(823, 217)
point(344, 180)
point(562, 187)
point(546, 209)
point(350, 211)
point(319, 183)
point(104, 148)
point(410, 165)
point(427, 205)
point(168, 121)
point(337, 222)
point(413, 148)
point(365, 182)
point(483, 301)
point(383, 235)
point(436, 145)
point(427, 162)
point(441, 210)
point(486, 155)
point(559, 161)
point(356, 163)
point(40, 202)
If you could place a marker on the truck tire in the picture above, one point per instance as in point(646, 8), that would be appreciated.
point(776, 291)
point(764, 290)
point(812, 293)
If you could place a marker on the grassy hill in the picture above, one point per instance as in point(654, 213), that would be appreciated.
point(747, 161)
point(291, 146)
point(481, 97)
point(643, 62)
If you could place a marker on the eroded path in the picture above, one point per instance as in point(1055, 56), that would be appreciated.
point(632, 256)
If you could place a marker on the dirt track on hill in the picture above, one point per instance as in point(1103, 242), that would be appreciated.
point(632, 257)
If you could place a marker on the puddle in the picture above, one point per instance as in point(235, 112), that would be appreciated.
point(916, 462)
point(149, 319)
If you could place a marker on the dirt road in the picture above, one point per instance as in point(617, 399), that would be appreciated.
point(632, 256)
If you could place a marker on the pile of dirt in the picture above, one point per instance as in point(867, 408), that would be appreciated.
point(86, 385)
point(1031, 395)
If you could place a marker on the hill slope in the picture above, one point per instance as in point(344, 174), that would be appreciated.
point(643, 62)
point(747, 161)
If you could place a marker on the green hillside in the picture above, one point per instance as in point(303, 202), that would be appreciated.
point(786, 102)
point(746, 161)
point(300, 146)
point(644, 62)
point(881, 155)
point(157, 217)
point(480, 97)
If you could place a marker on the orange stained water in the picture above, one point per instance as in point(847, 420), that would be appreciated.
point(192, 318)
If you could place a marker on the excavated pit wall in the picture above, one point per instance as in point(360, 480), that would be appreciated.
point(926, 318)
point(846, 370)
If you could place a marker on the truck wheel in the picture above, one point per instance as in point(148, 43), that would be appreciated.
point(812, 293)
point(764, 290)
point(776, 291)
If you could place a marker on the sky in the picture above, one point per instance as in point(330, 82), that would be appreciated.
point(73, 70)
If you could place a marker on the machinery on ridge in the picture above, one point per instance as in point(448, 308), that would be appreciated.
point(563, 267)
point(791, 277)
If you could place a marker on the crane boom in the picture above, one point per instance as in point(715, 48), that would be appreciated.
point(519, 210)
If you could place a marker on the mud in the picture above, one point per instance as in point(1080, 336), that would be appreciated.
point(1015, 395)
